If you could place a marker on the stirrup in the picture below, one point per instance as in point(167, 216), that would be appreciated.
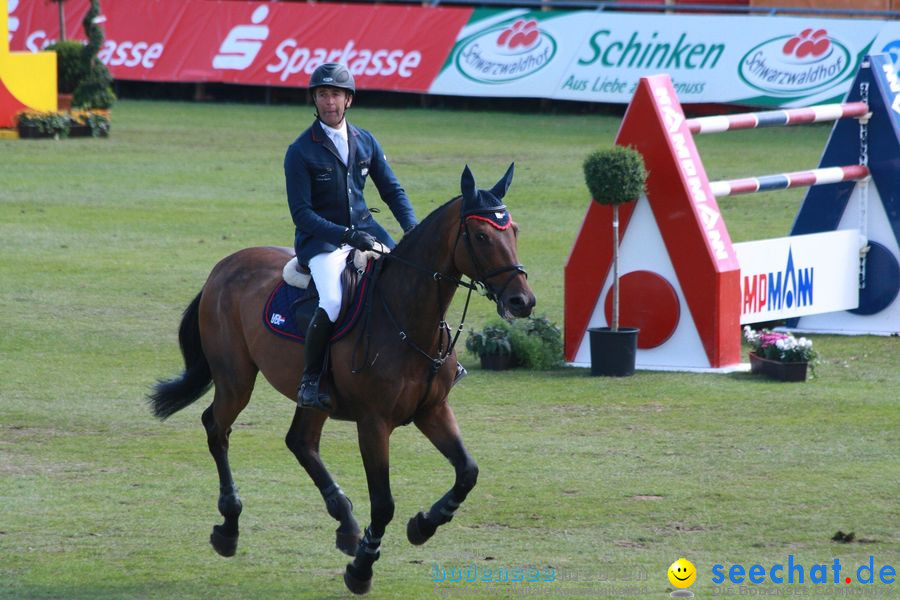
point(309, 396)
point(460, 373)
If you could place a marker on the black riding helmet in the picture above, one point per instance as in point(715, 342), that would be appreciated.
point(332, 75)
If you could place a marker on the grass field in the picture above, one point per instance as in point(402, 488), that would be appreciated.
point(104, 242)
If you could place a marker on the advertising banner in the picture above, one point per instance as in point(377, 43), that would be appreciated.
point(800, 275)
point(599, 57)
point(262, 43)
point(585, 56)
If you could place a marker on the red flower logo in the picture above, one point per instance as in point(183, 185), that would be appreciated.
point(808, 43)
point(521, 34)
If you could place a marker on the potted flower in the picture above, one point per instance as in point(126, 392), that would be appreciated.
point(614, 176)
point(36, 124)
point(493, 346)
point(60, 125)
point(779, 355)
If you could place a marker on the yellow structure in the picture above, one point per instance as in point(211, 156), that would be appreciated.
point(27, 80)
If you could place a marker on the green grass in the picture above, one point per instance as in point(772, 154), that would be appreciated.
point(105, 241)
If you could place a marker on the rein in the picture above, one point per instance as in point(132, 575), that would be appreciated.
point(434, 274)
point(436, 361)
point(478, 283)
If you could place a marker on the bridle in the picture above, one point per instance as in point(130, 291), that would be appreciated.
point(479, 283)
point(481, 277)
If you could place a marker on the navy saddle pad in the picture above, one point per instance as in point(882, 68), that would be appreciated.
point(288, 303)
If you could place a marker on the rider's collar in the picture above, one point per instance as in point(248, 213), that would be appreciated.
point(333, 131)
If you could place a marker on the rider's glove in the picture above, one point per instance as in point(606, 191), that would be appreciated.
point(358, 239)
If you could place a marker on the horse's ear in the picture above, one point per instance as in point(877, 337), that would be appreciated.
point(467, 184)
point(502, 186)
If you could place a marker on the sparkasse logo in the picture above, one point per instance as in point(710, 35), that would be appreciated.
point(505, 53)
point(242, 44)
point(796, 64)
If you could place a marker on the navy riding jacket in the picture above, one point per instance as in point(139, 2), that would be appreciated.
point(326, 197)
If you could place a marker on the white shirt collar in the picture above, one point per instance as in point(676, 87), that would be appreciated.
point(332, 132)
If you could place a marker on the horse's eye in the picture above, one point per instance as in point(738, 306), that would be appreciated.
point(481, 237)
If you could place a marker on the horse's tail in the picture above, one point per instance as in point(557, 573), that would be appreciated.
point(171, 395)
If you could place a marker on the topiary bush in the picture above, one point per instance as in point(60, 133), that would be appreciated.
point(95, 90)
point(70, 67)
point(615, 175)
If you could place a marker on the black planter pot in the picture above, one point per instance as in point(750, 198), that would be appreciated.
point(32, 132)
point(613, 352)
point(496, 362)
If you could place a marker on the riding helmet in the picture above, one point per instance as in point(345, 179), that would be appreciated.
point(332, 75)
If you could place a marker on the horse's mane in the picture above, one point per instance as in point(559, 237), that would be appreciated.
point(413, 241)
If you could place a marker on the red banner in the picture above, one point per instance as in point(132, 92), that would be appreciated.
point(280, 44)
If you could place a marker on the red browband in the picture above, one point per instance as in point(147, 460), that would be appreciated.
point(492, 222)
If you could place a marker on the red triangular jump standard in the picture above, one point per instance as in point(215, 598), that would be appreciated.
point(693, 290)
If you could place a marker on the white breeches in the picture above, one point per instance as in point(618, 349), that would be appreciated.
point(326, 269)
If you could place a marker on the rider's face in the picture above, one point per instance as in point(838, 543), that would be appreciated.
point(332, 103)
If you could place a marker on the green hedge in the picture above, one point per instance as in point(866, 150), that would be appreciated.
point(535, 342)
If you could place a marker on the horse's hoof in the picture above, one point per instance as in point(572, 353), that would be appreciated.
point(347, 542)
point(419, 530)
point(225, 545)
point(356, 584)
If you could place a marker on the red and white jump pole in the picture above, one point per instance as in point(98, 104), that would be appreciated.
point(778, 118)
point(783, 181)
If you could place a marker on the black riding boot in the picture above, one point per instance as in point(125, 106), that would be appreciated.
point(317, 336)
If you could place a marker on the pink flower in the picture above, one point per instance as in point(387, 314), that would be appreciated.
point(783, 347)
point(770, 338)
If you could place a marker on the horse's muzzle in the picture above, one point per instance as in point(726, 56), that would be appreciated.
point(516, 305)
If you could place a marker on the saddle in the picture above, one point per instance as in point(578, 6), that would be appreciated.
point(291, 304)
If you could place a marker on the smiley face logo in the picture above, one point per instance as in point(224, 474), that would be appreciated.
point(682, 573)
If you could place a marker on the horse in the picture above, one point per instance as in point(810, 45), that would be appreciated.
point(407, 368)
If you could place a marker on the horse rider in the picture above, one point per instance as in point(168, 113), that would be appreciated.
point(325, 170)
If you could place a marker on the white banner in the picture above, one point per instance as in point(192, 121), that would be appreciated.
point(800, 275)
point(599, 57)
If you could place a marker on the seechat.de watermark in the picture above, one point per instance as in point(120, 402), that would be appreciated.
point(793, 578)
point(795, 572)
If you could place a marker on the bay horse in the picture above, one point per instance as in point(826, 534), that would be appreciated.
point(408, 363)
